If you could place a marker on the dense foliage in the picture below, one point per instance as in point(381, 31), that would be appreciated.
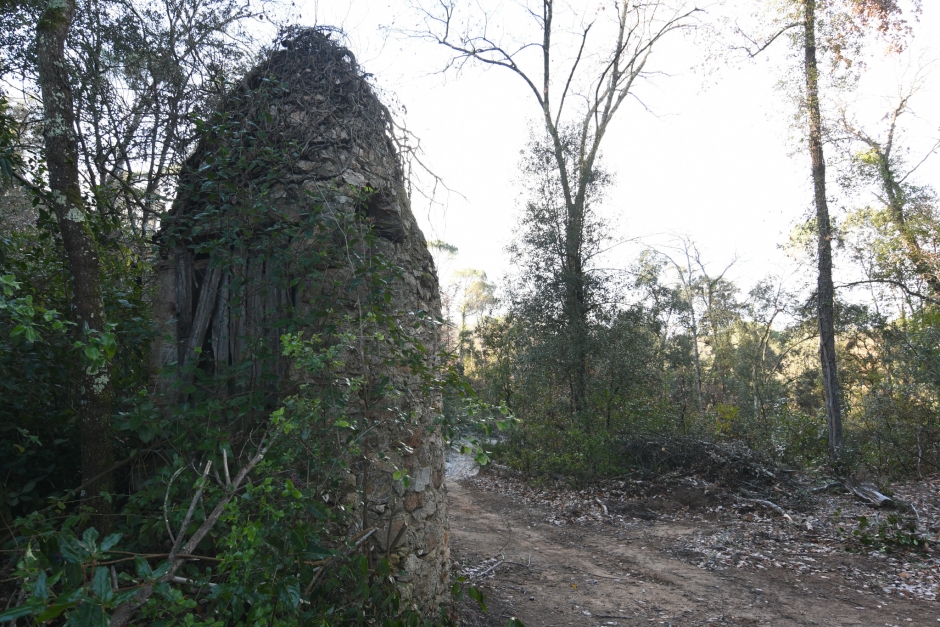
point(229, 501)
point(679, 351)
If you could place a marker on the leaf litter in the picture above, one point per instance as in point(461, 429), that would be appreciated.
point(814, 528)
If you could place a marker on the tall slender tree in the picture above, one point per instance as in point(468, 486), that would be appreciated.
point(825, 290)
point(65, 200)
point(847, 23)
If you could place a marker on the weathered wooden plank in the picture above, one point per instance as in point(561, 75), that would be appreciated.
point(237, 304)
point(221, 333)
point(184, 302)
point(208, 297)
point(275, 313)
point(254, 315)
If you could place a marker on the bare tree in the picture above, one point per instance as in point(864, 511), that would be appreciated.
point(144, 71)
point(120, 83)
point(579, 81)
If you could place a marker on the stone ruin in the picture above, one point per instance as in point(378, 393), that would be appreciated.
point(310, 103)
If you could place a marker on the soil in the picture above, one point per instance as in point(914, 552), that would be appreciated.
point(689, 555)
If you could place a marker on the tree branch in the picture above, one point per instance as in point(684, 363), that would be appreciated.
point(761, 47)
point(899, 284)
point(125, 611)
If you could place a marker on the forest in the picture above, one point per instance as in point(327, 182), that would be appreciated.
point(231, 364)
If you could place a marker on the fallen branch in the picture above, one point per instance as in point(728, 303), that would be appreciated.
point(827, 487)
point(868, 493)
point(491, 568)
point(614, 577)
point(125, 611)
point(772, 506)
point(166, 504)
point(189, 514)
point(528, 565)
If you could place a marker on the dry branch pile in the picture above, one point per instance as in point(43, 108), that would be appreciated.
point(728, 464)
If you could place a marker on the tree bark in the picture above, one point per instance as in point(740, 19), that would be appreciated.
point(825, 292)
point(65, 199)
point(577, 327)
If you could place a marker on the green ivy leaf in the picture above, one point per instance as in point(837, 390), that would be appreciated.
point(89, 614)
point(71, 551)
point(163, 569)
point(318, 511)
point(101, 584)
point(145, 433)
point(40, 591)
point(16, 612)
point(290, 592)
point(110, 541)
point(317, 552)
point(124, 597)
point(54, 611)
point(142, 568)
point(164, 590)
point(475, 594)
point(89, 539)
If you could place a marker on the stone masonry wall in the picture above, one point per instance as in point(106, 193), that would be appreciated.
point(343, 156)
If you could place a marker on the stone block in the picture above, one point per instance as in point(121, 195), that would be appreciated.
point(421, 479)
point(413, 501)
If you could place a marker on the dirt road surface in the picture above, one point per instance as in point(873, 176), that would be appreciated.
point(640, 572)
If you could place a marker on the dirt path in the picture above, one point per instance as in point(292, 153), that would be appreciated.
point(639, 573)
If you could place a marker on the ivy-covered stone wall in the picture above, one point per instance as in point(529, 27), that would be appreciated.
point(313, 222)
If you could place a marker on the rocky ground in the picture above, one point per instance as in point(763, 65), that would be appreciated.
point(684, 551)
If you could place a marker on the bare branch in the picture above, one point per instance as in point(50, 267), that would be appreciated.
point(899, 284)
point(929, 154)
point(125, 611)
point(760, 47)
point(189, 512)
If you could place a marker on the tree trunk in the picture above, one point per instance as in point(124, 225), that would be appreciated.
point(695, 353)
point(575, 289)
point(825, 293)
point(460, 334)
point(65, 199)
point(896, 203)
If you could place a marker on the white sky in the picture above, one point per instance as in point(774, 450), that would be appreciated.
point(714, 159)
